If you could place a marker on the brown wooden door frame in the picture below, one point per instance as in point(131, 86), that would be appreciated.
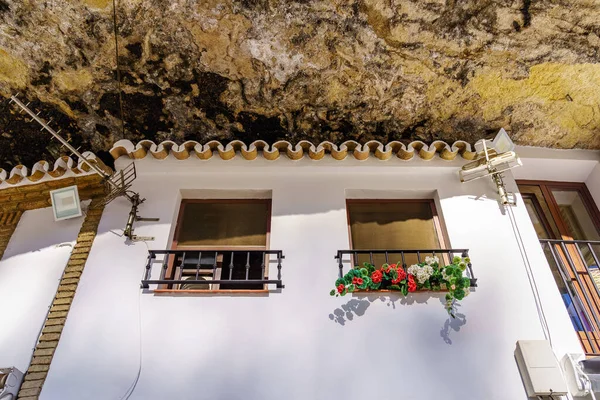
point(580, 187)
point(576, 267)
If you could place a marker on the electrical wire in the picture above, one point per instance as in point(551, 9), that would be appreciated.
point(532, 282)
point(118, 67)
point(133, 385)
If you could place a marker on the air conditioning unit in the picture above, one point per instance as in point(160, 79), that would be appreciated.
point(539, 369)
point(582, 374)
point(10, 382)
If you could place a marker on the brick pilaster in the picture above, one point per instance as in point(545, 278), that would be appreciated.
point(53, 326)
point(8, 223)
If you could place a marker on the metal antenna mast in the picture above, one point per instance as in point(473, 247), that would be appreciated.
point(117, 184)
point(14, 99)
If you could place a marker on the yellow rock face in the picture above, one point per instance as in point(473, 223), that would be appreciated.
point(76, 81)
point(13, 71)
point(97, 4)
point(568, 95)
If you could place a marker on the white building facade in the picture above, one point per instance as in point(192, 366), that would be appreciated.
point(297, 342)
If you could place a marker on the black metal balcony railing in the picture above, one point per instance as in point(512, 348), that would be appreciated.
point(403, 256)
point(575, 267)
point(237, 269)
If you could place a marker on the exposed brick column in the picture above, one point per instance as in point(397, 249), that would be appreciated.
point(8, 223)
point(48, 341)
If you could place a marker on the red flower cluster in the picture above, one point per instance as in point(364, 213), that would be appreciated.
point(377, 276)
point(412, 285)
point(357, 281)
point(401, 275)
point(341, 288)
point(390, 268)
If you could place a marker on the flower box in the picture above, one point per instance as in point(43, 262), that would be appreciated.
point(428, 276)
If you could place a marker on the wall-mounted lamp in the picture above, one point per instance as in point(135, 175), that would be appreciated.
point(494, 158)
point(65, 203)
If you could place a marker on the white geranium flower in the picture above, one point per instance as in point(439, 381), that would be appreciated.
point(432, 260)
point(413, 269)
point(444, 275)
point(422, 273)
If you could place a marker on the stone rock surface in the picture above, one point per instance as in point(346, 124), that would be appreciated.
point(305, 69)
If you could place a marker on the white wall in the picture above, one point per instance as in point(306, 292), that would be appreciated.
point(30, 271)
point(556, 164)
point(593, 184)
point(301, 343)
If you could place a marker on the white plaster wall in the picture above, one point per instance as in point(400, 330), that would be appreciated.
point(30, 271)
point(301, 343)
point(555, 164)
point(593, 184)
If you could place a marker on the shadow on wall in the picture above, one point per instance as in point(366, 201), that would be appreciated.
point(356, 307)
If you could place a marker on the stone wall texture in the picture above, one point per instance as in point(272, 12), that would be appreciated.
point(307, 69)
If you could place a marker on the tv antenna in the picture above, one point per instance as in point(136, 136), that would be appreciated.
point(116, 184)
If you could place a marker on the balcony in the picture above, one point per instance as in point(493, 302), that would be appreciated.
point(214, 270)
point(430, 270)
point(404, 257)
point(574, 264)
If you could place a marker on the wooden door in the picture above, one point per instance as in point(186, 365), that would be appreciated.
point(568, 226)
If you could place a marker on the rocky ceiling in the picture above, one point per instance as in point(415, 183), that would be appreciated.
point(306, 69)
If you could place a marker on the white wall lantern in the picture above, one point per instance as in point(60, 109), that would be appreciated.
point(493, 158)
point(65, 203)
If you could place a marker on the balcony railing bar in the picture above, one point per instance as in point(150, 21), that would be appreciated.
point(568, 284)
point(590, 242)
point(581, 284)
point(182, 258)
point(587, 322)
point(450, 252)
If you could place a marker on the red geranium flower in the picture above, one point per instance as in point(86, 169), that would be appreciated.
point(354, 280)
point(359, 281)
point(401, 274)
point(412, 285)
point(390, 268)
point(377, 276)
point(341, 288)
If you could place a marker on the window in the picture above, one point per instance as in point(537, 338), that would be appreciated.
point(394, 224)
point(225, 239)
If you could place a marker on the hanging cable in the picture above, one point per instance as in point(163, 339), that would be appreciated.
point(532, 282)
point(133, 385)
point(118, 68)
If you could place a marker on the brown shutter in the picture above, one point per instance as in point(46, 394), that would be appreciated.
point(224, 224)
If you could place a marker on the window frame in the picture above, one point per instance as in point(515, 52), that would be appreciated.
point(437, 224)
point(216, 274)
point(546, 188)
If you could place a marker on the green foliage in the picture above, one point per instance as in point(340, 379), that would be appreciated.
point(450, 277)
point(366, 283)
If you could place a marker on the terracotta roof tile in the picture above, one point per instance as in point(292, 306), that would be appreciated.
point(64, 167)
point(295, 152)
